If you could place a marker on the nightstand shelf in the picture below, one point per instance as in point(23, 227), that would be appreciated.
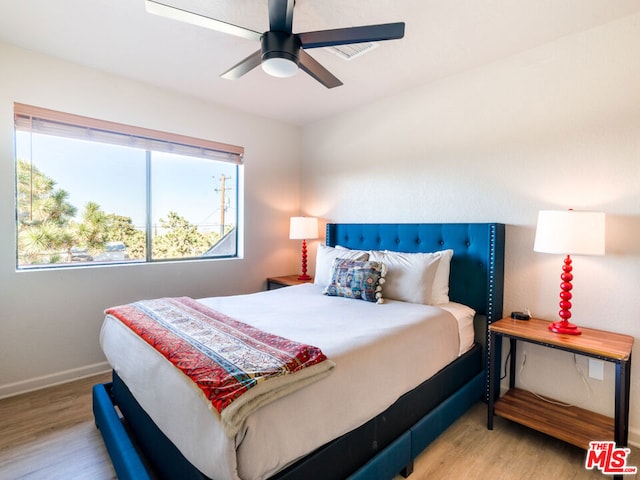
point(285, 281)
point(570, 424)
point(573, 425)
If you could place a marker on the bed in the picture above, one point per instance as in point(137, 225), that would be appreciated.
point(383, 443)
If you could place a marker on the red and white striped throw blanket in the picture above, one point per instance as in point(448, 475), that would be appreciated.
point(238, 367)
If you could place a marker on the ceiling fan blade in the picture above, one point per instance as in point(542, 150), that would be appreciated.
point(246, 65)
point(281, 15)
point(317, 71)
point(168, 11)
point(344, 36)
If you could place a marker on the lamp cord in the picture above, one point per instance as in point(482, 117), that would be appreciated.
point(553, 402)
point(506, 360)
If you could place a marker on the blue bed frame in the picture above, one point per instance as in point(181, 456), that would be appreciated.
point(390, 442)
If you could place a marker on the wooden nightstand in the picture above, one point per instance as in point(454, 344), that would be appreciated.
point(285, 281)
point(571, 424)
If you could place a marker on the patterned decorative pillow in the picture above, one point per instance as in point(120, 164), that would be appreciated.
point(356, 279)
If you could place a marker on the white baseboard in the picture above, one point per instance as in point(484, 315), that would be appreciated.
point(57, 378)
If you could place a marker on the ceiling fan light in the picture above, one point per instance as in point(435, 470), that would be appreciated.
point(279, 67)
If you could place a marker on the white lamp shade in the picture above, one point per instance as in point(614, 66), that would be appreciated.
point(303, 228)
point(570, 232)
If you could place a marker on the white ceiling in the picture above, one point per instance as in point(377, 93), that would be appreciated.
point(442, 38)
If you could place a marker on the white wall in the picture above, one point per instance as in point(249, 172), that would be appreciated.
point(50, 320)
point(555, 127)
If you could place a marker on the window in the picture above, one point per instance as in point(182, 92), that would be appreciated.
point(92, 192)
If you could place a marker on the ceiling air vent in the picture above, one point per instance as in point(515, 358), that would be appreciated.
point(349, 52)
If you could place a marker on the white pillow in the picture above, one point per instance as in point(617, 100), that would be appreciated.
point(416, 277)
point(361, 252)
point(410, 276)
point(440, 290)
point(324, 261)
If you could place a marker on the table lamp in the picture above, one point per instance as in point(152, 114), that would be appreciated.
point(303, 228)
point(569, 232)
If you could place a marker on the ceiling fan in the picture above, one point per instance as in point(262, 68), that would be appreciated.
point(282, 52)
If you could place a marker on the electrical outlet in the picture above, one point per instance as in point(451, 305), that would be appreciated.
point(596, 369)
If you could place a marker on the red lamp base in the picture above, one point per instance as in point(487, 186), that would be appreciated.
point(565, 327)
point(304, 275)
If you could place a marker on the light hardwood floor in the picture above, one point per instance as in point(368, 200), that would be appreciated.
point(50, 434)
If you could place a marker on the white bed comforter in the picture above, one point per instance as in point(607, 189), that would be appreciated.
point(381, 351)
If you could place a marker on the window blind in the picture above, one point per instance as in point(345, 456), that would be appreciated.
point(51, 122)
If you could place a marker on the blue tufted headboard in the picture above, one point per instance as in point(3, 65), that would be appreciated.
point(477, 266)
